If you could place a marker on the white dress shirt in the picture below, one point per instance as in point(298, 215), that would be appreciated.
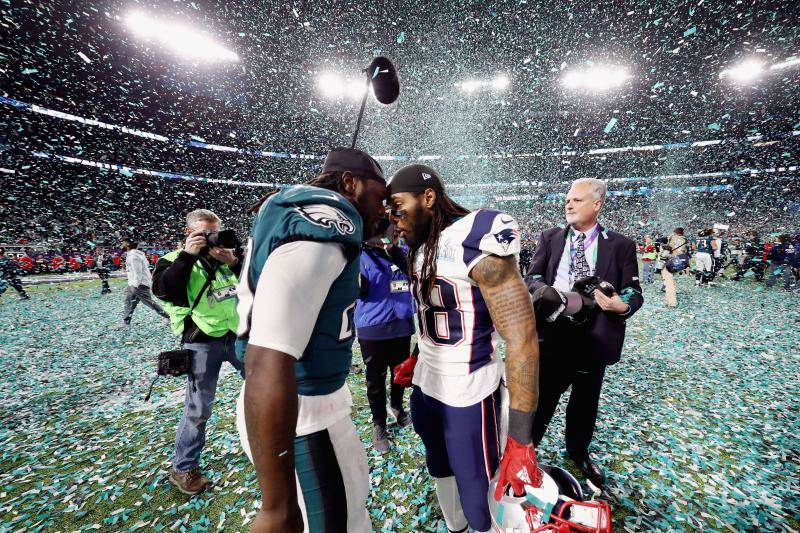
point(563, 281)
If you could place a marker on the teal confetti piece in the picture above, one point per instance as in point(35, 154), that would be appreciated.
point(401, 37)
point(690, 31)
point(610, 125)
point(714, 126)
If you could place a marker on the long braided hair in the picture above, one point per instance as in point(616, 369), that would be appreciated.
point(445, 211)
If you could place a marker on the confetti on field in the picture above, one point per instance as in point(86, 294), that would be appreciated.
point(696, 430)
point(114, 128)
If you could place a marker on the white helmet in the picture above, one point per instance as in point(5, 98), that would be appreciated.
point(556, 506)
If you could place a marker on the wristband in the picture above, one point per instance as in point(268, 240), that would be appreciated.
point(520, 426)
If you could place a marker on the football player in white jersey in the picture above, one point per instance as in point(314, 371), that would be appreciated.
point(470, 294)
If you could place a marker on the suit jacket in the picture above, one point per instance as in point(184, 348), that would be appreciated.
point(602, 338)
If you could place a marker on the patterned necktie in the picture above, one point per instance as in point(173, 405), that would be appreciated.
point(580, 267)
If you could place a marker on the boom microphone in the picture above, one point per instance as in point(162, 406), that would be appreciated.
point(382, 75)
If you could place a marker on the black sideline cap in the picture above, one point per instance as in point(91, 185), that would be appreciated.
point(415, 178)
point(355, 161)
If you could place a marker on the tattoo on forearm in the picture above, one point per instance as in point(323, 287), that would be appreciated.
point(512, 313)
point(522, 377)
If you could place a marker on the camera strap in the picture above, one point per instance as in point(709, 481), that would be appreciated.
point(211, 274)
point(209, 280)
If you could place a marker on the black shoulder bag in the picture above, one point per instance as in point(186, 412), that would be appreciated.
point(179, 362)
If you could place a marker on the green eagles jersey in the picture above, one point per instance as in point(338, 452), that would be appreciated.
point(309, 213)
point(704, 244)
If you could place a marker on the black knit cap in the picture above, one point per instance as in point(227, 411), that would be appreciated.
point(352, 160)
point(415, 178)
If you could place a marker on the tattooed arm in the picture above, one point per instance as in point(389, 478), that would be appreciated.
point(512, 313)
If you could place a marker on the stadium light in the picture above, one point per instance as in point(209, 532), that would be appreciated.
point(744, 72)
point(596, 79)
point(499, 83)
point(335, 87)
point(182, 40)
point(786, 64)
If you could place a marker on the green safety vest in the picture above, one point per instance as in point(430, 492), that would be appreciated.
point(215, 313)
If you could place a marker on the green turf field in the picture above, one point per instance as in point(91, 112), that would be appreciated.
point(698, 426)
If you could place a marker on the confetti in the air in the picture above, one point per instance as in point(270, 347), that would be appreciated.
point(111, 129)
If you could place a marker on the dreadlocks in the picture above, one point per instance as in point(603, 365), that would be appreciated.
point(327, 180)
point(445, 211)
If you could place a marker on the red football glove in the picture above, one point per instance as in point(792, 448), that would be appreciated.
point(518, 467)
point(404, 372)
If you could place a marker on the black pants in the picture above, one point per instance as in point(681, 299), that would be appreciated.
point(15, 282)
point(378, 355)
point(557, 371)
point(102, 273)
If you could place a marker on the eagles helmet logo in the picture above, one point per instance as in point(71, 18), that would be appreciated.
point(505, 237)
point(327, 216)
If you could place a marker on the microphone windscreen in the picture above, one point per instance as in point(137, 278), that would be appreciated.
point(385, 83)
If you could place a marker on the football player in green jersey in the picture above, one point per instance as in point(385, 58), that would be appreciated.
point(296, 299)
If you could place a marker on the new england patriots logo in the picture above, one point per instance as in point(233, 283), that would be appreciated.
point(506, 236)
point(327, 216)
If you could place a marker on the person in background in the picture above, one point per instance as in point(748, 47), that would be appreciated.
point(140, 282)
point(197, 284)
point(737, 255)
point(704, 258)
point(576, 353)
point(88, 262)
point(57, 262)
point(677, 246)
point(116, 260)
point(648, 259)
point(752, 257)
point(26, 262)
point(75, 263)
point(101, 268)
point(9, 275)
point(527, 248)
point(779, 259)
point(384, 323)
point(794, 262)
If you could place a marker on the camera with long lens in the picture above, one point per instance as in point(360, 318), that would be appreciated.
point(220, 239)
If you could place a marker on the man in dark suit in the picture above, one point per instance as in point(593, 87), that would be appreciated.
point(576, 351)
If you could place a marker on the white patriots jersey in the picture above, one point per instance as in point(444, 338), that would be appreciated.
point(456, 336)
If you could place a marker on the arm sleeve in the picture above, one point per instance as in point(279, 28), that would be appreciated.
point(534, 278)
point(171, 278)
point(631, 292)
point(291, 289)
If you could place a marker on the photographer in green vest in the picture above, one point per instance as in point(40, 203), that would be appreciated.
point(198, 286)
